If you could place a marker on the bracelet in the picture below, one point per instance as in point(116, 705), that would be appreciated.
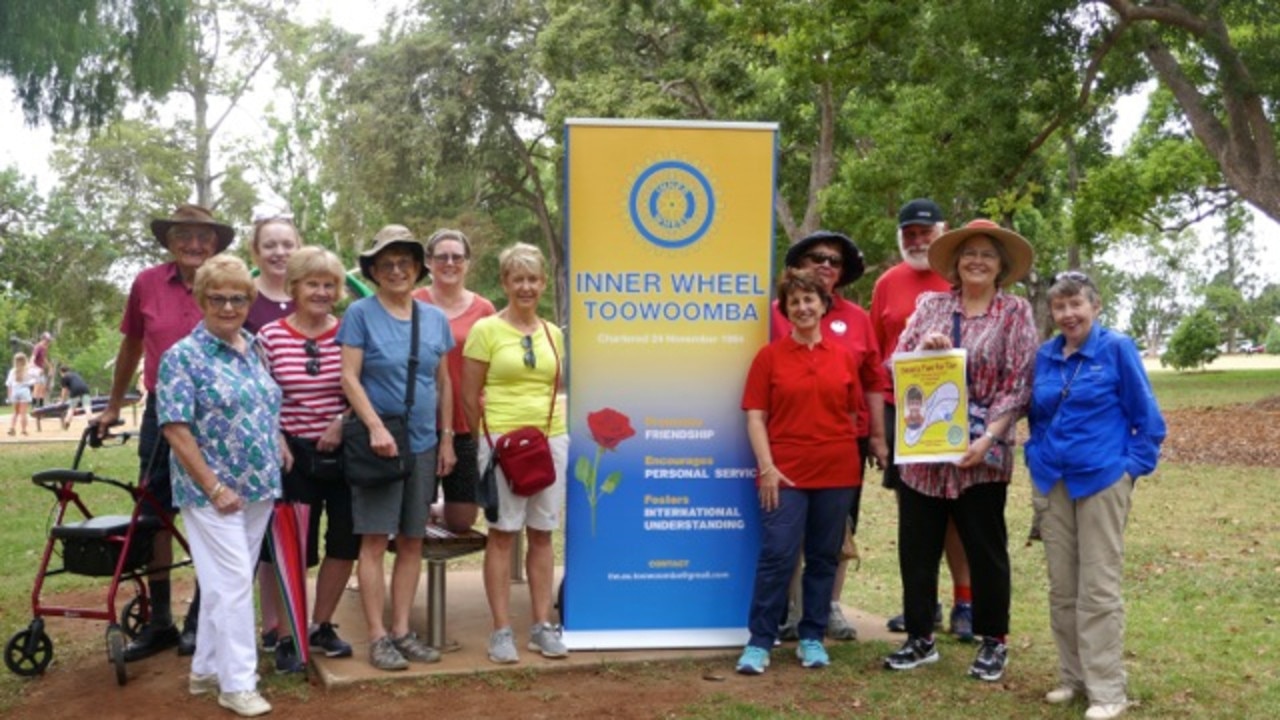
point(448, 431)
point(217, 490)
point(767, 470)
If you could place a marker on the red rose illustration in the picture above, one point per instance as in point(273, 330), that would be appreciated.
point(609, 427)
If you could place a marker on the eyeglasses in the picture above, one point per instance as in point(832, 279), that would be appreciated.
point(988, 255)
point(816, 258)
point(447, 258)
point(1073, 275)
point(403, 265)
point(237, 302)
point(312, 349)
point(530, 360)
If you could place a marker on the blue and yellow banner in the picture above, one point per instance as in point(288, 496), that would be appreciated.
point(669, 246)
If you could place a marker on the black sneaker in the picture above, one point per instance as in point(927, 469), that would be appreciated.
point(325, 639)
point(898, 623)
point(187, 641)
point(916, 651)
point(992, 658)
point(287, 659)
point(150, 640)
point(270, 638)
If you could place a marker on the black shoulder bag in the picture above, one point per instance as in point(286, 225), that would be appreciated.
point(364, 467)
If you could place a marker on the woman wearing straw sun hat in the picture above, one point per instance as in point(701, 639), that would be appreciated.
point(376, 334)
point(998, 332)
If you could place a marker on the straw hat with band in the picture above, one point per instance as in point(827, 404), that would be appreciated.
point(192, 215)
point(1017, 251)
point(387, 237)
point(851, 267)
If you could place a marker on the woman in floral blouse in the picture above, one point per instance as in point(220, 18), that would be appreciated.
point(998, 332)
point(220, 409)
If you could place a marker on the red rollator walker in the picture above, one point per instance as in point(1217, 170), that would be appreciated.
point(114, 546)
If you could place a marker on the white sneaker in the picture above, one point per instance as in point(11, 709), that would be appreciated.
point(1105, 711)
point(1060, 695)
point(246, 703)
point(198, 684)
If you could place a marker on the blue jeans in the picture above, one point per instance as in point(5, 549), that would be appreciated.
point(816, 520)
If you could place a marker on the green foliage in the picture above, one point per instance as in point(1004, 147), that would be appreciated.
point(1273, 340)
point(74, 62)
point(1194, 343)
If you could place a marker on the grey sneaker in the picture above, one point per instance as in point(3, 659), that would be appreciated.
point(198, 684)
point(414, 649)
point(502, 646)
point(384, 655)
point(545, 638)
point(838, 628)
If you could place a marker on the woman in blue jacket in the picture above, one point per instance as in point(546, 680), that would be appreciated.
point(1095, 429)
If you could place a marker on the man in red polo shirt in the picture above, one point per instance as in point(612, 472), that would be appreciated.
point(893, 300)
point(161, 310)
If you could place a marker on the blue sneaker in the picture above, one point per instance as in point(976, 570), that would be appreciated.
point(753, 661)
point(962, 621)
point(812, 654)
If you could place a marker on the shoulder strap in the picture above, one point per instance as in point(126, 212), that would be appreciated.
point(555, 386)
point(411, 386)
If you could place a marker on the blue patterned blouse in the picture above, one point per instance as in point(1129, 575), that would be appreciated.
point(232, 406)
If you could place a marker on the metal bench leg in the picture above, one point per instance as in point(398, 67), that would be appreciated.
point(435, 604)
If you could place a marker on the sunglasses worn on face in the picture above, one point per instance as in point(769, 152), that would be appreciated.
point(237, 302)
point(817, 258)
point(530, 360)
point(447, 258)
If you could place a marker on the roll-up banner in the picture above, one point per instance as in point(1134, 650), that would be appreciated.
point(669, 232)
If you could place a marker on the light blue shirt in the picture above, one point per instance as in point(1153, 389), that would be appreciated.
point(232, 407)
point(384, 372)
point(1105, 425)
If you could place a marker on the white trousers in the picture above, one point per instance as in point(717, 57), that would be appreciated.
point(225, 550)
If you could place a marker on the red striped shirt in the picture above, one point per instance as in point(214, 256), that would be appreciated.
point(311, 402)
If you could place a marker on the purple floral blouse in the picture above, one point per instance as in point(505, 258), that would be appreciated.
point(1002, 345)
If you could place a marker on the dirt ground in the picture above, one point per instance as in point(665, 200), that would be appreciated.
point(83, 685)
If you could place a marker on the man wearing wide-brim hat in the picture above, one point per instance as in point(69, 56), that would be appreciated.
point(160, 311)
point(836, 261)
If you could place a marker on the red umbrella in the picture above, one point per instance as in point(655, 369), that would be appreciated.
point(289, 550)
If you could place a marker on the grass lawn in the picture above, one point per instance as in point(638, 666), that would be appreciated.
point(1202, 586)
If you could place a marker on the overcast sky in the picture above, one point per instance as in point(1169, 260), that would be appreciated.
point(29, 148)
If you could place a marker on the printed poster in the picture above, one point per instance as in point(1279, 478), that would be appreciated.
point(932, 398)
point(669, 231)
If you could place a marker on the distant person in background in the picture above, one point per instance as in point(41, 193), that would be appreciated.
point(40, 361)
point(1095, 429)
point(449, 257)
point(75, 391)
point(19, 383)
point(920, 223)
point(161, 310)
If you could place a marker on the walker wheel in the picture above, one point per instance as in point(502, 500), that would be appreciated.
point(115, 652)
point(28, 653)
point(132, 617)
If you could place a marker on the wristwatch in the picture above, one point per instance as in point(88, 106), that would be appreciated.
point(989, 435)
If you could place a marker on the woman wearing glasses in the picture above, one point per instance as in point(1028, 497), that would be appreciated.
point(449, 256)
point(306, 362)
point(997, 331)
point(375, 336)
point(835, 261)
point(1094, 432)
point(275, 239)
point(514, 358)
point(218, 407)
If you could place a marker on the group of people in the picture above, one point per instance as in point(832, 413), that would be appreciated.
point(824, 383)
point(249, 382)
point(26, 387)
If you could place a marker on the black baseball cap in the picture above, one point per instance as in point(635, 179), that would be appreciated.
point(921, 211)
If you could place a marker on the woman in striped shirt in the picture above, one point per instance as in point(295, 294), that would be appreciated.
point(307, 365)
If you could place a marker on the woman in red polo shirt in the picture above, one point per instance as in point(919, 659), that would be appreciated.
point(802, 397)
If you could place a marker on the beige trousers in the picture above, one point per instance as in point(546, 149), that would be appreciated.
point(1084, 550)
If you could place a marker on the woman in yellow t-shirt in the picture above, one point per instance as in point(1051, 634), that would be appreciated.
point(513, 358)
